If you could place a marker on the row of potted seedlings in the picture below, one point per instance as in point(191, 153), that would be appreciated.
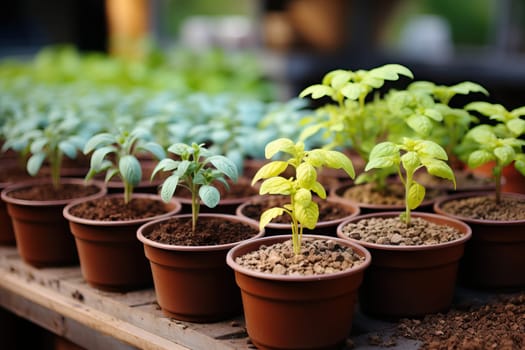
point(317, 273)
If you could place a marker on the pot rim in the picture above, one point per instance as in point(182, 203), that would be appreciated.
point(320, 224)
point(67, 214)
point(151, 243)
point(467, 232)
point(363, 251)
point(60, 202)
point(443, 199)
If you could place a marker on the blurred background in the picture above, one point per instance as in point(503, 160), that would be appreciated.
point(294, 41)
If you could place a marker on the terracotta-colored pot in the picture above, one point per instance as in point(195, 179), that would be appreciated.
point(7, 234)
point(336, 193)
point(42, 233)
point(410, 281)
point(495, 256)
point(512, 180)
point(297, 312)
point(111, 258)
point(193, 283)
point(327, 228)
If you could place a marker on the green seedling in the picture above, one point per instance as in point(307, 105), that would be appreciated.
point(197, 170)
point(302, 209)
point(116, 154)
point(408, 157)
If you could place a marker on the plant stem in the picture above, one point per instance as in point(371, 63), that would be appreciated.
point(195, 207)
point(55, 161)
point(128, 190)
point(408, 183)
point(497, 175)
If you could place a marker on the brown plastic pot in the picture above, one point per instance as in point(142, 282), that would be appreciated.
point(410, 281)
point(297, 312)
point(326, 228)
point(111, 257)
point(7, 234)
point(495, 256)
point(193, 283)
point(42, 233)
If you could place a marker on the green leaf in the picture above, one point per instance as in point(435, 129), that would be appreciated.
point(179, 148)
point(518, 112)
point(485, 108)
point(317, 91)
point(337, 78)
point(276, 185)
point(98, 157)
point(306, 175)
point(505, 154)
point(168, 187)
point(307, 213)
point(209, 195)
point(155, 149)
point(303, 196)
point(309, 131)
point(391, 72)
point(439, 168)
point(338, 160)
point(410, 161)
point(38, 146)
point(483, 135)
point(385, 149)
point(516, 127)
point(433, 114)
point(352, 91)
point(467, 87)
point(271, 169)
point(225, 166)
point(519, 164)
point(166, 164)
point(426, 148)
point(420, 124)
point(110, 173)
point(379, 163)
point(98, 140)
point(479, 157)
point(279, 145)
point(319, 189)
point(416, 194)
point(130, 170)
point(68, 148)
point(268, 215)
point(34, 163)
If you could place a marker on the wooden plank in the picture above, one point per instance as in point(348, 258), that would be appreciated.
point(94, 319)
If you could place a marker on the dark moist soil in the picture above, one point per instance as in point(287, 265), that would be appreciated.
point(46, 192)
point(317, 257)
point(114, 209)
point(393, 195)
point(486, 208)
point(327, 210)
point(209, 231)
point(498, 324)
point(392, 231)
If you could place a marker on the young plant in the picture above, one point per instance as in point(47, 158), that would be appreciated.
point(302, 209)
point(116, 154)
point(347, 120)
point(49, 138)
point(407, 157)
point(196, 170)
point(455, 121)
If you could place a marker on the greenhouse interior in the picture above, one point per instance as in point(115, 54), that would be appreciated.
point(262, 174)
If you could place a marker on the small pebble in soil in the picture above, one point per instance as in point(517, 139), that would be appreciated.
point(317, 257)
point(392, 231)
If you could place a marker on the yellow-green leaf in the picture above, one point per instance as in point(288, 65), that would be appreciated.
point(269, 215)
point(279, 145)
point(416, 194)
point(307, 214)
point(276, 185)
point(306, 175)
point(272, 169)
